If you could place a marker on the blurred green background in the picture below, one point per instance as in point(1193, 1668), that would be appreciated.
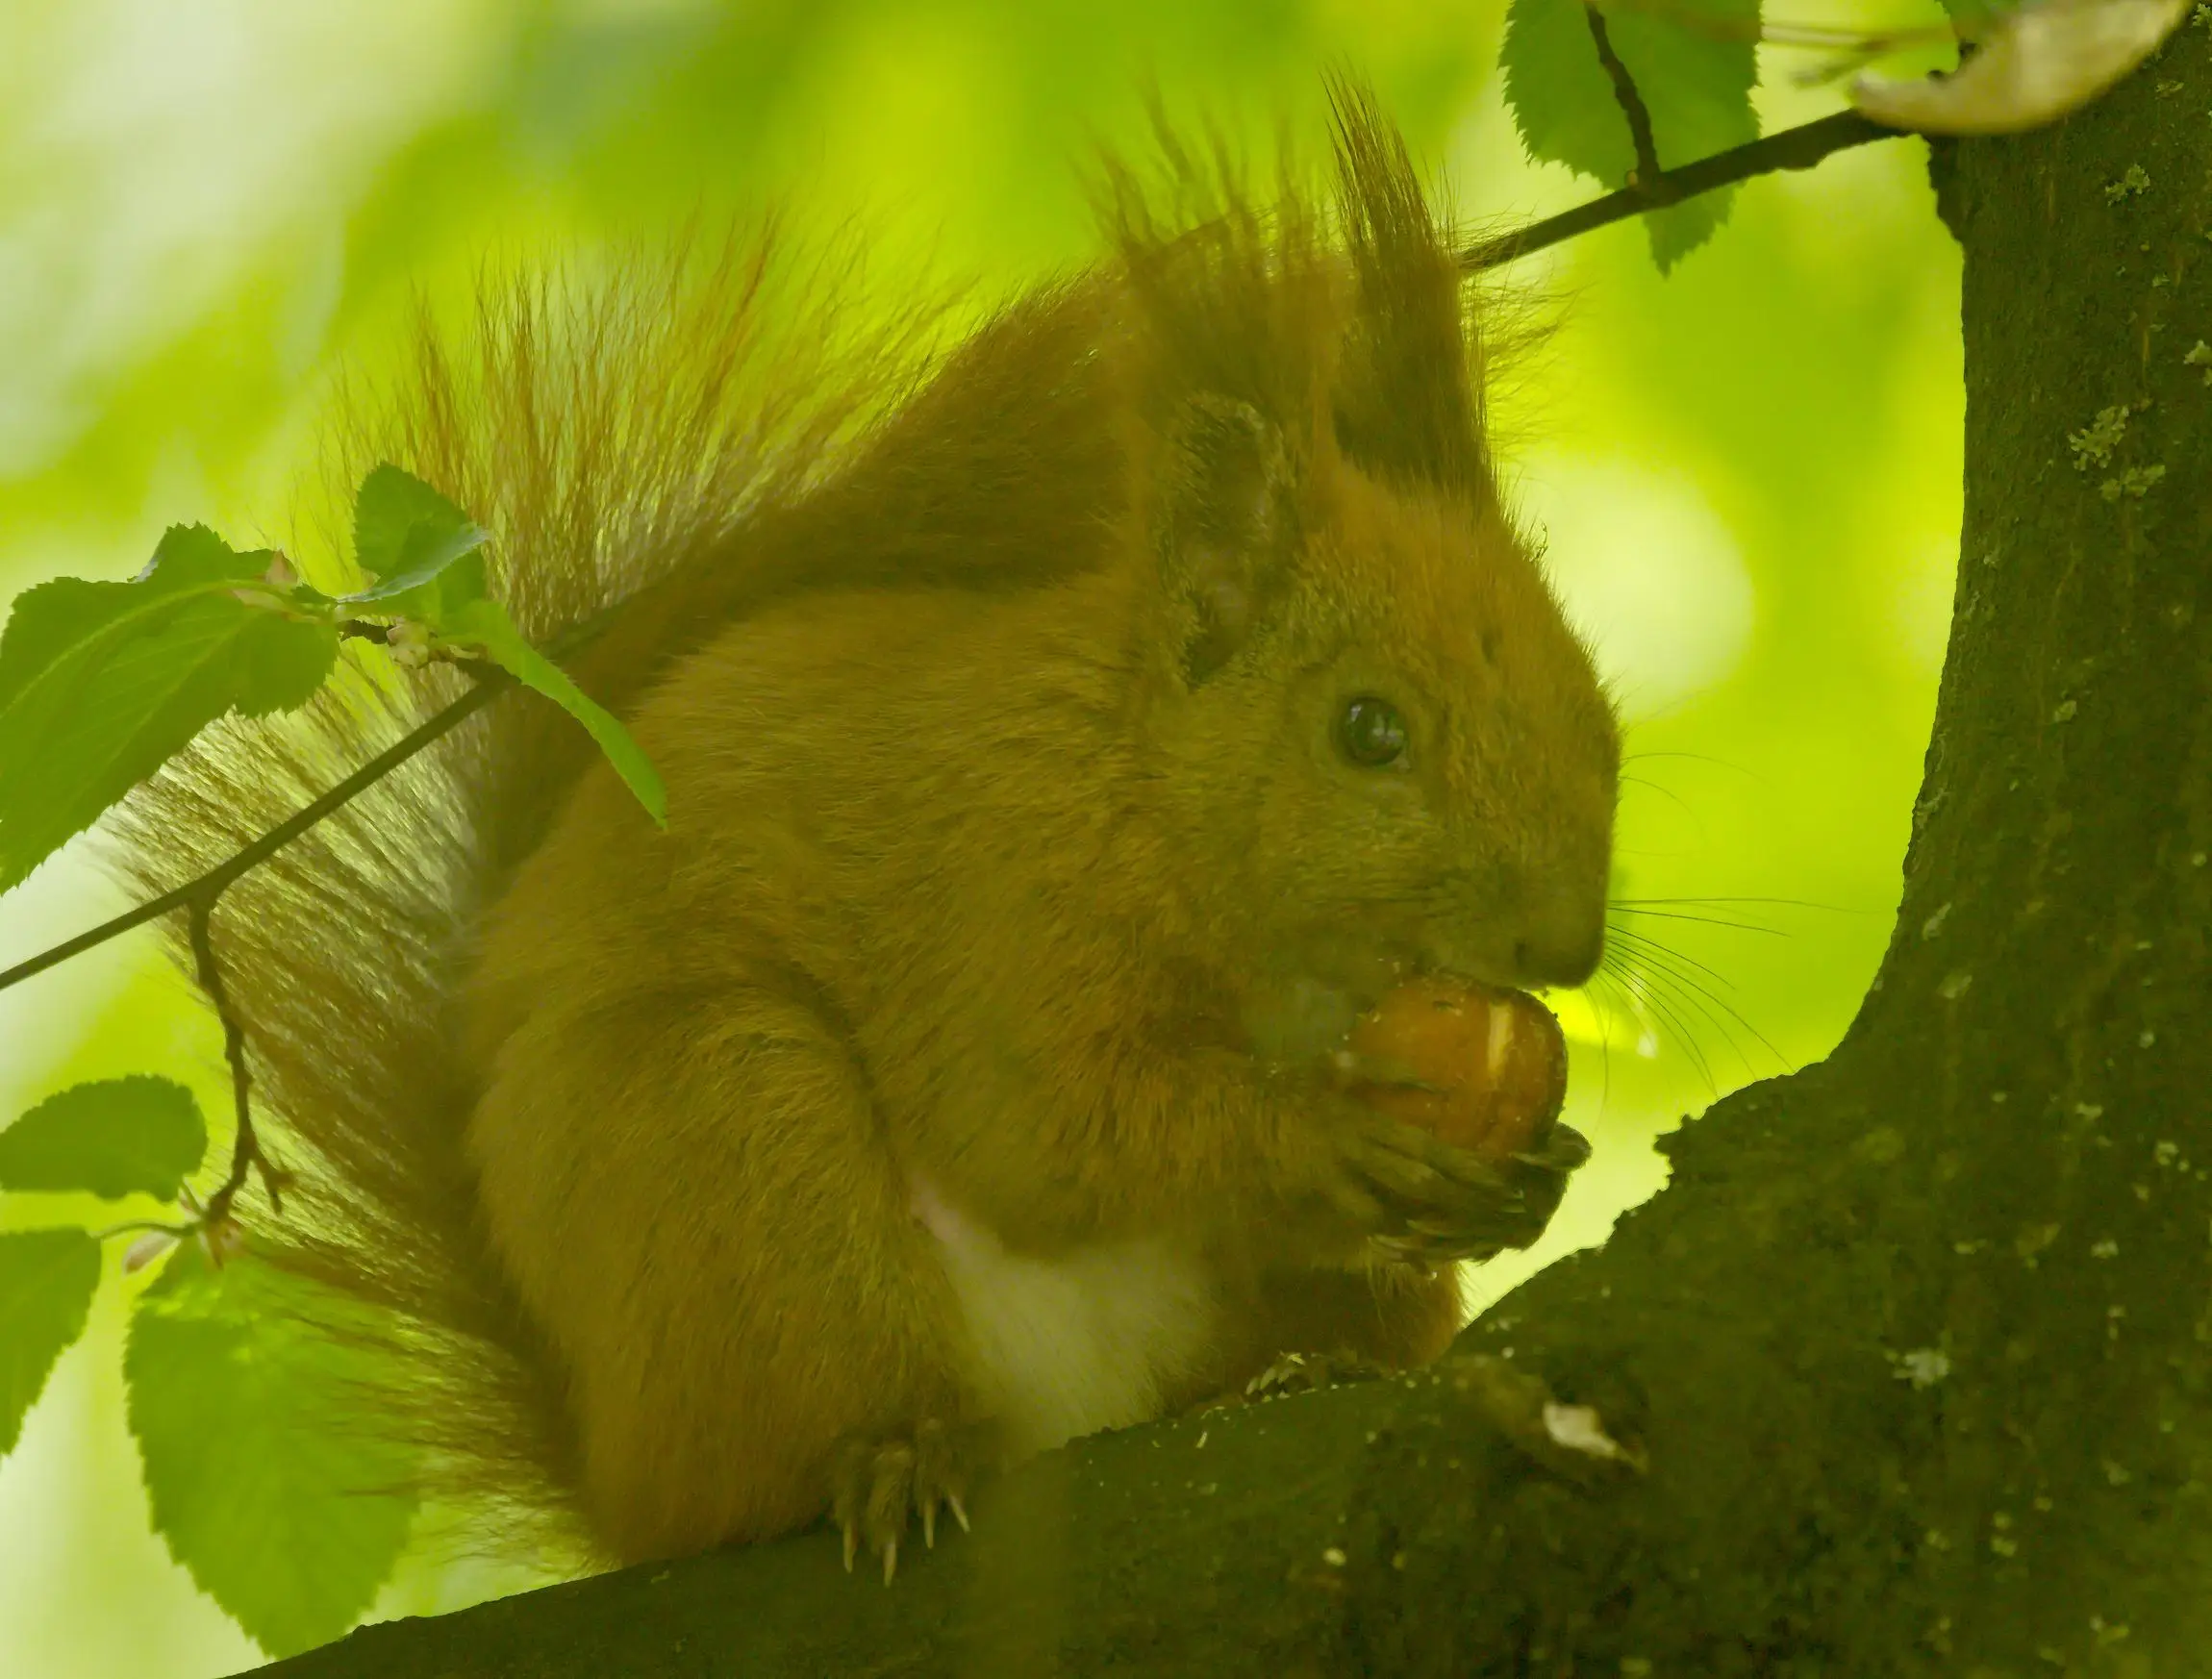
point(1749, 473)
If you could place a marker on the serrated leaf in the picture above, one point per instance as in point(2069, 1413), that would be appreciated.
point(421, 549)
point(135, 1136)
point(485, 625)
point(1698, 87)
point(102, 683)
point(47, 1280)
point(1695, 84)
point(266, 1481)
point(1561, 100)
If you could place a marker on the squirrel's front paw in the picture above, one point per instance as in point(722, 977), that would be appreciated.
point(877, 1483)
point(1511, 1211)
point(1426, 1202)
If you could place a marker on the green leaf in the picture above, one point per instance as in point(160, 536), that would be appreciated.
point(135, 1136)
point(102, 683)
point(485, 624)
point(1694, 83)
point(1562, 102)
point(266, 1474)
point(47, 1280)
point(421, 549)
point(1697, 89)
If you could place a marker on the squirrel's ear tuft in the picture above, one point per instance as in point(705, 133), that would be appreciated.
point(1224, 529)
point(1407, 404)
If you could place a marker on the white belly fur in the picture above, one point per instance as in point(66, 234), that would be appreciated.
point(1066, 1347)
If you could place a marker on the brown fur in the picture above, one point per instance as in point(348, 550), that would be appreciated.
point(1008, 848)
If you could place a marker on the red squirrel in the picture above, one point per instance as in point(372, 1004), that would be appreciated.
point(1065, 743)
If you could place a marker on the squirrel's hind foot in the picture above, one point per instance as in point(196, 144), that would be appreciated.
point(1297, 1372)
point(878, 1482)
point(1309, 1372)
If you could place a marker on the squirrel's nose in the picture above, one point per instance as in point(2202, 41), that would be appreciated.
point(1561, 944)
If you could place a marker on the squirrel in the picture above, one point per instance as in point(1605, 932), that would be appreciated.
point(1066, 735)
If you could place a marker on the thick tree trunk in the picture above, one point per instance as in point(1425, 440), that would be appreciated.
point(1918, 1340)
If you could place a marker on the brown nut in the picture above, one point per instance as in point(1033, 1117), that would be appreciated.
point(1491, 1066)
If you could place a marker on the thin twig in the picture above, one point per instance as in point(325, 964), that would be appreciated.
point(1793, 148)
point(245, 1147)
point(490, 683)
point(1646, 178)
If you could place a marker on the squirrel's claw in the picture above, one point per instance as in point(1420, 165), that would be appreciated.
point(1562, 1151)
point(871, 1482)
point(942, 1461)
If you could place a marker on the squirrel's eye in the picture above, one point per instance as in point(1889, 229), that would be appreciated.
point(1371, 732)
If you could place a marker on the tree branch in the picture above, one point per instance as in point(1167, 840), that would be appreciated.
point(490, 683)
point(1793, 148)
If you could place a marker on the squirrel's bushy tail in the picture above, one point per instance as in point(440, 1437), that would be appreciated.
point(613, 433)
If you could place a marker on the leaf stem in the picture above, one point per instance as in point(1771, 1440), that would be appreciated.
point(147, 1224)
point(1793, 148)
point(245, 1147)
point(1648, 177)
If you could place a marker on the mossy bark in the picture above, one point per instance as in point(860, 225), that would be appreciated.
point(1918, 1340)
